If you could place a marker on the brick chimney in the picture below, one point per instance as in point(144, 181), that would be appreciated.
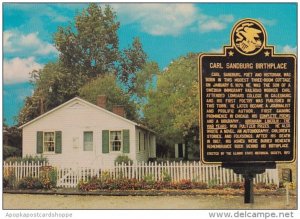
point(101, 101)
point(119, 110)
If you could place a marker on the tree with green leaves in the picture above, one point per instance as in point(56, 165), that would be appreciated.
point(132, 61)
point(91, 46)
point(12, 141)
point(107, 85)
point(172, 108)
point(53, 85)
point(30, 110)
point(145, 80)
point(88, 49)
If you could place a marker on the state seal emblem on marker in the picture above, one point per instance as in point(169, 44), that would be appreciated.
point(248, 37)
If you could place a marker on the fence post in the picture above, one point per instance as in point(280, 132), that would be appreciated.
point(57, 176)
point(129, 167)
point(35, 170)
point(69, 177)
point(185, 170)
point(205, 176)
point(213, 173)
point(15, 170)
point(148, 168)
point(192, 169)
point(199, 172)
point(27, 168)
point(139, 171)
point(142, 169)
point(151, 169)
point(167, 168)
point(116, 170)
point(20, 172)
point(227, 176)
point(77, 175)
point(160, 169)
point(176, 171)
point(234, 177)
point(19, 167)
point(176, 165)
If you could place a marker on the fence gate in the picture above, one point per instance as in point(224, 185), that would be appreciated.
point(69, 177)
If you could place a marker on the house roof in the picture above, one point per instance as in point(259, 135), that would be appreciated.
point(89, 104)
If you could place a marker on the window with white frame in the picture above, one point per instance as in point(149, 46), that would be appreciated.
point(88, 141)
point(115, 140)
point(49, 141)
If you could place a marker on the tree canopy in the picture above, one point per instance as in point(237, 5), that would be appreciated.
point(91, 46)
point(53, 85)
point(133, 59)
point(172, 108)
point(88, 50)
point(107, 85)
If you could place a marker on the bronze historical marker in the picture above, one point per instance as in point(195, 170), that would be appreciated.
point(247, 100)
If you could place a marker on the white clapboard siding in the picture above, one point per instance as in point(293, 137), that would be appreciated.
point(74, 118)
point(69, 177)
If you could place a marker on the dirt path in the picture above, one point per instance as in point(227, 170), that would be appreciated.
point(25, 201)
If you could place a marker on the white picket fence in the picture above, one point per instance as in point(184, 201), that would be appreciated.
point(23, 169)
point(69, 177)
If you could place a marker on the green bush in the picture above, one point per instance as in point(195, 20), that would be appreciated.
point(166, 176)
point(5, 183)
point(147, 183)
point(9, 179)
point(10, 151)
point(265, 186)
point(48, 177)
point(93, 184)
point(105, 176)
point(123, 159)
point(10, 182)
point(185, 184)
point(30, 159)
point(97, 184)
point(213, 183)
point(200, 185)
point(149, 179)
point(30, 183)
point(53, 176)
point(235, 185)
point(161, 185)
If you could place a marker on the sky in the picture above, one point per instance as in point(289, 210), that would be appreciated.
point(166, 30)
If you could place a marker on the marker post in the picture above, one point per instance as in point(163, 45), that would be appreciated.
point(249, 171)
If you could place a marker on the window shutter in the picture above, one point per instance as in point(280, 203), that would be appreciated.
point(58, 144)
point(126, 139)
point(39, 142)
point(105, 141)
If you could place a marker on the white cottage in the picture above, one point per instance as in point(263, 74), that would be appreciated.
point(78, 133)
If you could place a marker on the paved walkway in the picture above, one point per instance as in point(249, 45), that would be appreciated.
point(28, 201)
